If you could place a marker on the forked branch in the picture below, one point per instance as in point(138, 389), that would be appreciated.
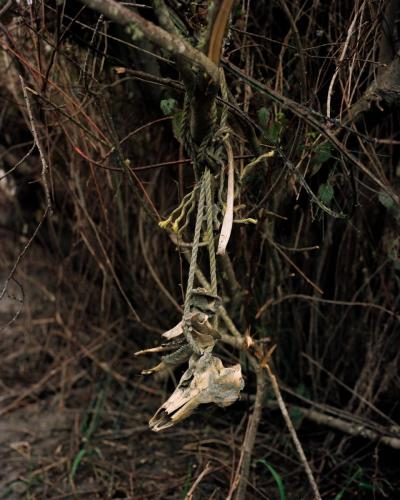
point(142, 27)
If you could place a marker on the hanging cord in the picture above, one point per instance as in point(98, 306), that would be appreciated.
point(205, 202)
point(210, 239)
point(210, 232)
point(187, 328)
point(185, 132)
point(225, 97)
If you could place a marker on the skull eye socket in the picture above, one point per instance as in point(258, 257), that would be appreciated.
point(186, 383)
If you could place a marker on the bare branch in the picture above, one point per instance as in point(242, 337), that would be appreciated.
point(293, 433)
point(142, 27)
point(45, 166)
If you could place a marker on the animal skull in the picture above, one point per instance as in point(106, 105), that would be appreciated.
point(205, 381)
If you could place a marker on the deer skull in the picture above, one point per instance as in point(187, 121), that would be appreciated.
point(205, 381)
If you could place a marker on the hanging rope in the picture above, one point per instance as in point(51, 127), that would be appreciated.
point(187, 329)
point(201, 155)
point(205, 202)
point(210, 232)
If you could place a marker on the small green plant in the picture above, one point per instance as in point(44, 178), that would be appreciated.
point(326, 193)
point(168, 106)
point(277, 478)
point(322, 153)
point(263, 117)
point(359, 487)
point(135, 32)
point(273, 129)
point(186, 486)
point(88, 427)
point(319, 152)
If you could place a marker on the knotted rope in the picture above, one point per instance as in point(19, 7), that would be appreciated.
point(201, 154)
point(205, 202)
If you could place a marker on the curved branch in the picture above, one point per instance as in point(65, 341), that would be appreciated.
point(142, 27)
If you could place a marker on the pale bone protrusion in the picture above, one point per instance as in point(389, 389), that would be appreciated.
point(160, 348)
point(160, 367)
point(174, 332)
point(202, 331)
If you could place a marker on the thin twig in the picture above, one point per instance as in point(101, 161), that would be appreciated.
point(45, 166)
point(203, 473)
point(289, 260)
point(16, 264)
point(20, 162)
point(296, 441)
point(150, 267)
point(338, 67)
point(273, 302)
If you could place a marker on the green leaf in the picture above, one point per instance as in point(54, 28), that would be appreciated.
point(92, 418)
point(387, 201)
point(77, 460)
point(167, 106)
point(277, 477)
point(96, 452)
point(325, 194)
point(263, 117)
point(273, 132)
point(177, 125)
point(356, 475)
point(322, 153)
point(366, 486)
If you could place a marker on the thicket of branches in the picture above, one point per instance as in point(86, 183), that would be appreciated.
point(92, 158)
